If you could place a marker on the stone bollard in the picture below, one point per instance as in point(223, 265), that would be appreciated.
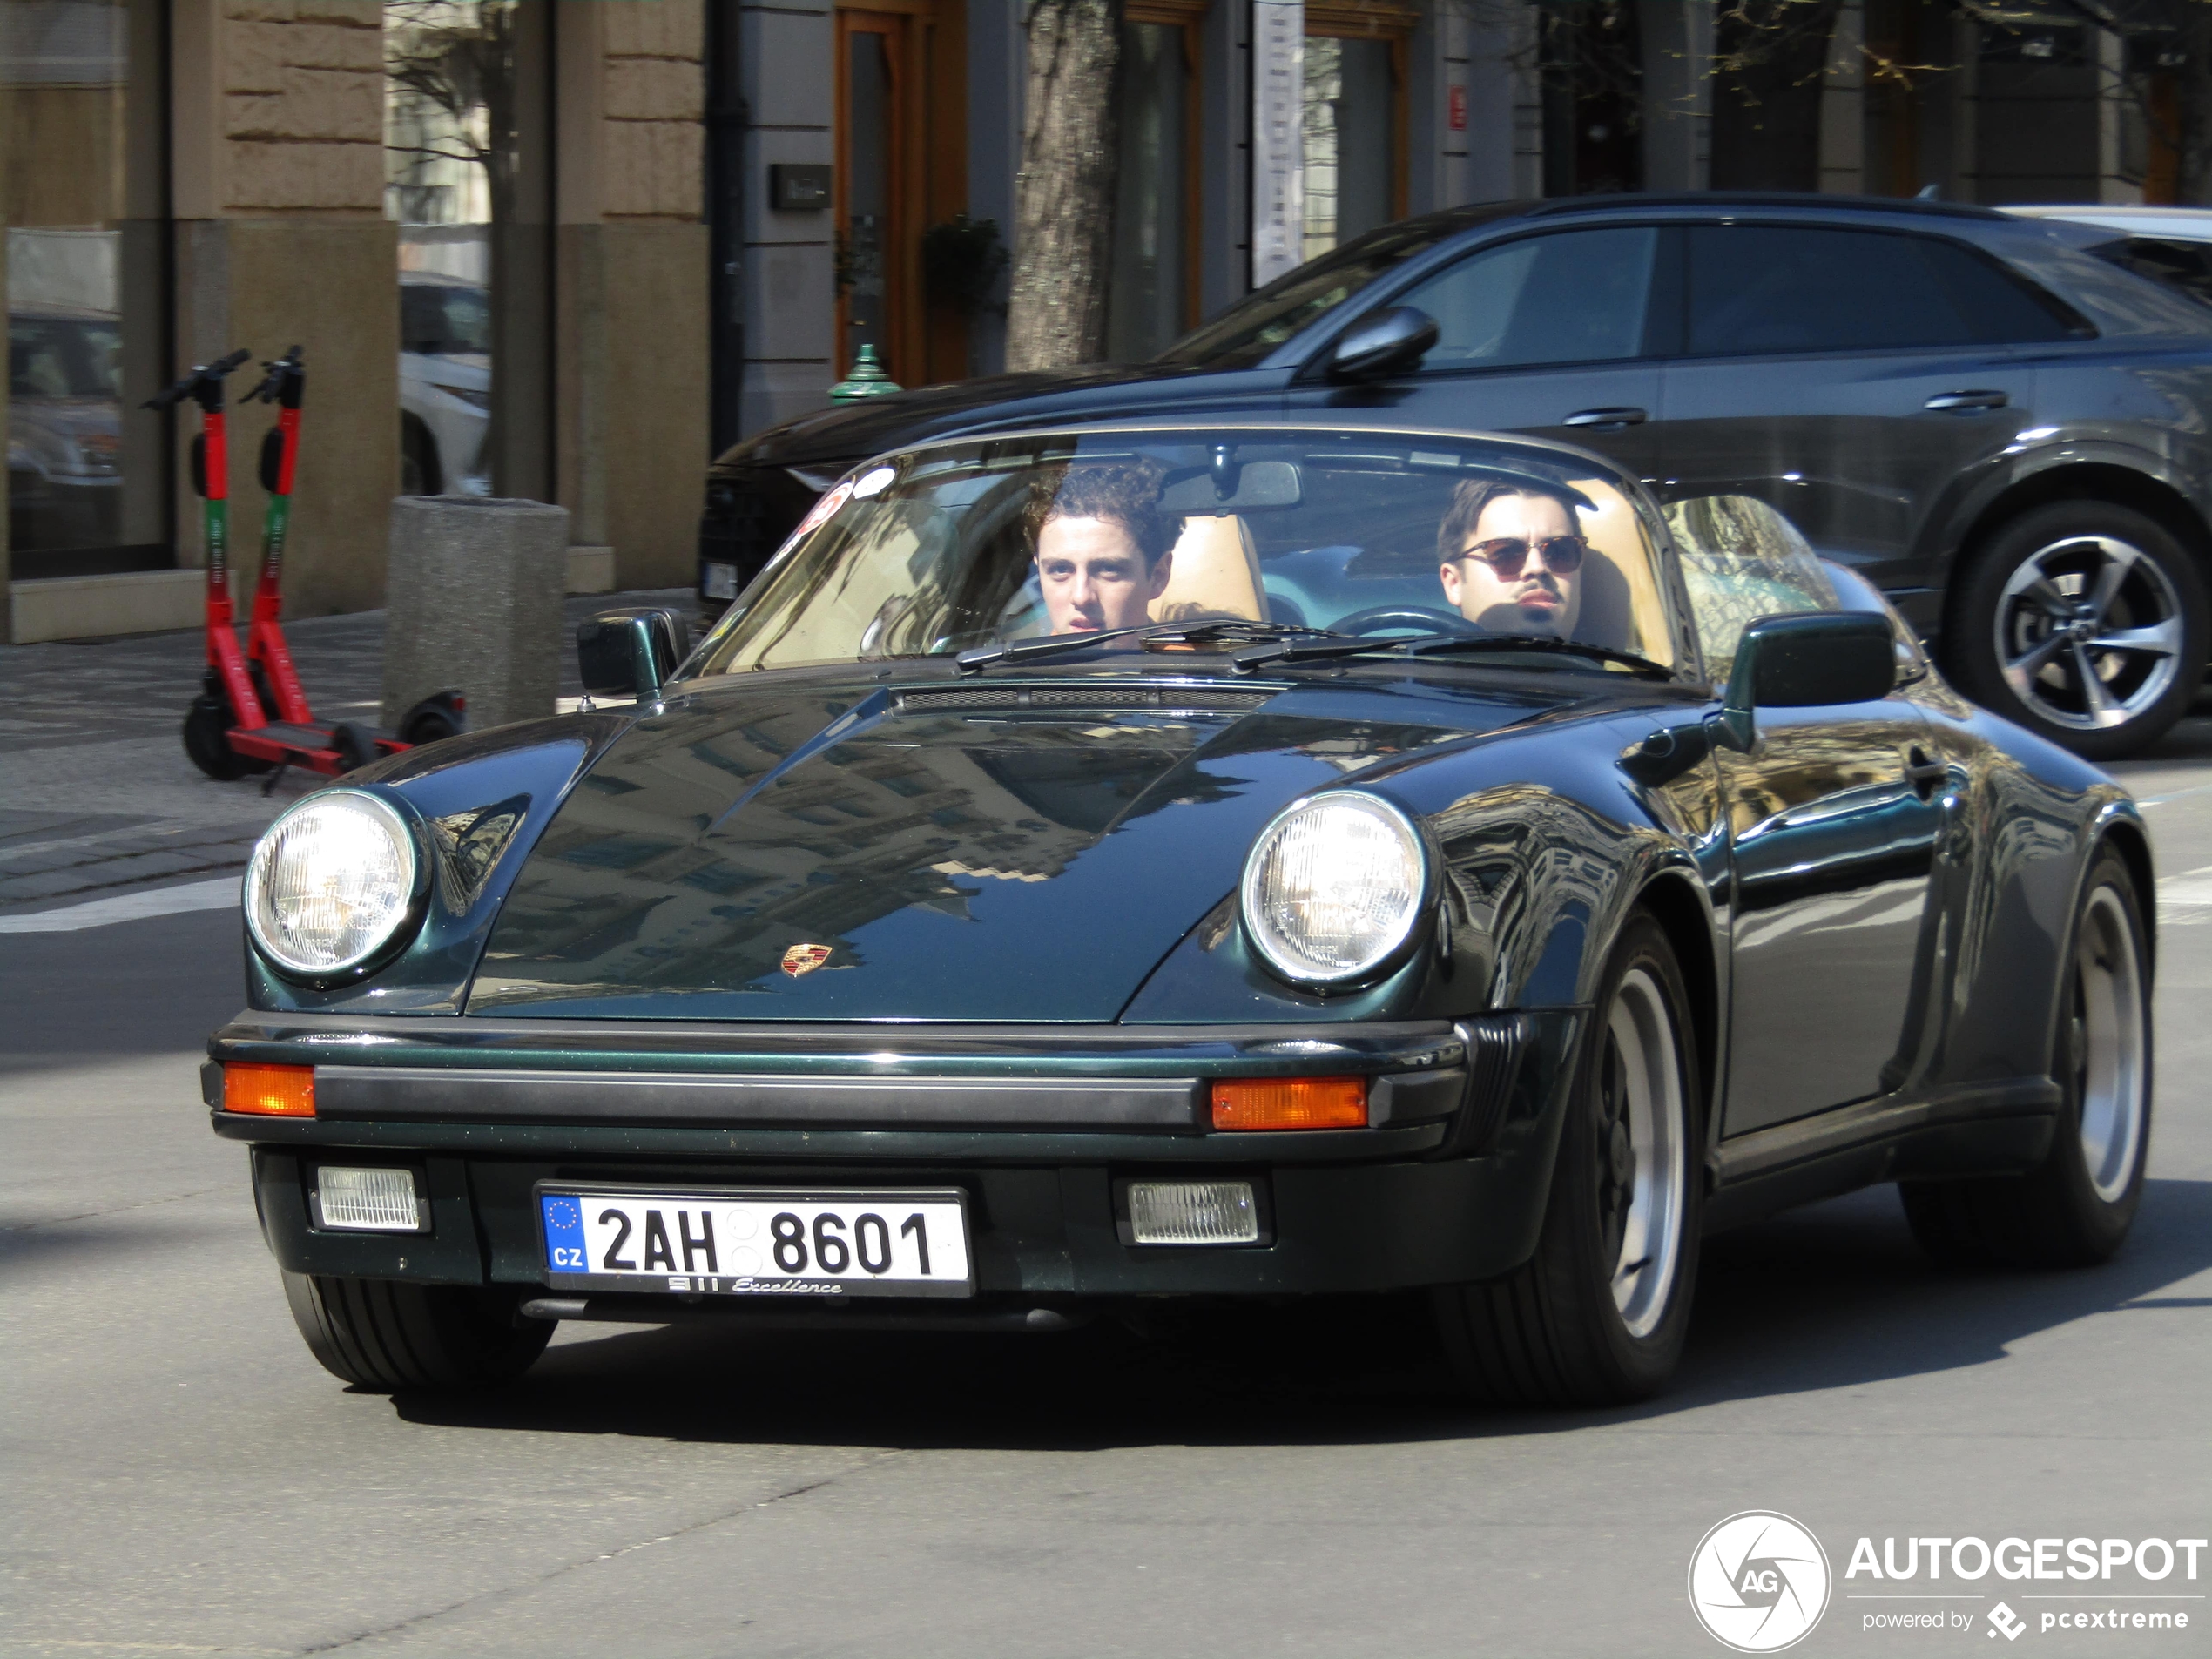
point(473, 591)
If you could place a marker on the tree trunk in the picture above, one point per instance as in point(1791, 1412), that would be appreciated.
point(1770, 62)
point(1063, 199)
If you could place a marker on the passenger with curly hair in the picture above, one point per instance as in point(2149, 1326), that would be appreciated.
point(1102, 546)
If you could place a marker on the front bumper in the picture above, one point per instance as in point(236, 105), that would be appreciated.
point(1035, 1124)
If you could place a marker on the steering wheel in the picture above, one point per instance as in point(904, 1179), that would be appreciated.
point(1376, 618)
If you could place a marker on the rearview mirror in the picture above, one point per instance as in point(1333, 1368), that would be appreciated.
point(631, 653)
point(1383, 343)
point(1812, 659)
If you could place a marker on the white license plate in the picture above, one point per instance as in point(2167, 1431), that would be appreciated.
point(721, 581)
point(759, 1243)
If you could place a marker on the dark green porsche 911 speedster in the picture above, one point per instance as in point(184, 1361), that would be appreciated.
point(1258, 859)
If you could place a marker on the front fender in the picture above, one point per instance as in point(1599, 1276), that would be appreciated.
point(1543, 846)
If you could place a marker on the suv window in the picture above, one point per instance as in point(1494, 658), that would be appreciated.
point(1572, 297)
point(1788, 288)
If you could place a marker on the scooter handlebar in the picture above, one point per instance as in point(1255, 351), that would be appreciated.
point(204, 383)
point(284, 383)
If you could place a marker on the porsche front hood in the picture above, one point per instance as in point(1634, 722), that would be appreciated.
point(975, 852)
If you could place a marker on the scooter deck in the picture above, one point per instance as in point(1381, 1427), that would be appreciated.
point(312, 746)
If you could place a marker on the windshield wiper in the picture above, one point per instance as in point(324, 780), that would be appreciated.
point(1196, 632)
point(1440, 644)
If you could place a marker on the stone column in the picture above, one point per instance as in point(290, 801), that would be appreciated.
point(1843, 104)
point(1505, 131)
point(630, 262)
point(1677, 93)
point(277, 113)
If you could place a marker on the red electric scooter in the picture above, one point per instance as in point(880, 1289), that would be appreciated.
point(228, 731)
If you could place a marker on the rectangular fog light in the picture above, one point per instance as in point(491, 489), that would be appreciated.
point(1193, 1212)
point(370, 1201)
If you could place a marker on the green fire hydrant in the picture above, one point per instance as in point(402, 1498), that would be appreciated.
point(868, 379)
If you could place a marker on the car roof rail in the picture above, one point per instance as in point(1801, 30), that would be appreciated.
point(1777, 199)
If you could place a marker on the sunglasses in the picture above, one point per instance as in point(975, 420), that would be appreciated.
point(1508, 555)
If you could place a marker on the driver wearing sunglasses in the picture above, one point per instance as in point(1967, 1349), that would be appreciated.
point(1512, 555)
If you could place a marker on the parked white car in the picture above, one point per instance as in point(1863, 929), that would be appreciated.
point(2173, 244)
point(445, 386)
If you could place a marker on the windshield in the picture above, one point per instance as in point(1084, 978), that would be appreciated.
point(960, 546)
point(1245, 333)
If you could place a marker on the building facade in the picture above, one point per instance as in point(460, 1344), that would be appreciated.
point(567, 249)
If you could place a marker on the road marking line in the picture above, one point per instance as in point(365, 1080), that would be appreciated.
point(222, 893)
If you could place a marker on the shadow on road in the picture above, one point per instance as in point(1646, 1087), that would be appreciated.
point(1831, 1297)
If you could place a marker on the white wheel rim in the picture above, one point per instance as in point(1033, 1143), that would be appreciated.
point(2110, 1044)
point(2088, 632)
point(1642, 1160)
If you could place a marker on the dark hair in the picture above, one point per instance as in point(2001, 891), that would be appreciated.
point(1123, 492)
point(1475, 494)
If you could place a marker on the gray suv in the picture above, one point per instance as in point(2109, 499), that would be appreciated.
point(2007, 433)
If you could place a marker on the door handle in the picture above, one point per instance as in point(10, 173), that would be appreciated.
point(1604, 419)
point(1923, 773)
point(1967, 402)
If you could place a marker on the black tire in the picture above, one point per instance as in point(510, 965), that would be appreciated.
point(429, 723)
point(356, 746)
point(2055, 1215)
point(419, 473)
point(2071, 542)
point(1552, 1332)
point(206, 723)
point(383, 1335)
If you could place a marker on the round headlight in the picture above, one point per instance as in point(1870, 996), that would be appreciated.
point(330, 883)
point(1334, 885)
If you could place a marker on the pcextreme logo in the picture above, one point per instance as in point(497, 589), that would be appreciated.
point(1759, 1581)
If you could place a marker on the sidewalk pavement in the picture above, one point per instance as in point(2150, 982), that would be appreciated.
point(96, 792)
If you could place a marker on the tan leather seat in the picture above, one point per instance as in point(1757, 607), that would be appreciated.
point(1215, 573)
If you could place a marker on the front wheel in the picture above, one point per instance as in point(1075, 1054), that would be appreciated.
point(2085, 622)
point(384, 1335)
point(2075, 1209)
point(1598, 1315)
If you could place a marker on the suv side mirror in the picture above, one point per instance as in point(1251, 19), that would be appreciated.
point(1812, 659)
point(1383, 343)
point(631, 653)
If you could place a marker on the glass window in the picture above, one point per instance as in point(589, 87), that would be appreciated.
point(87, 469)
point(961, 544)
point(1787, 288)
point(1742, 560)
point(1575, 297)
point(1350, 139)
point(1148, 295)
point(464, 80)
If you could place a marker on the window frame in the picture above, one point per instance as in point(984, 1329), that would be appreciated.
point(1394, 25)
point(1187, 19)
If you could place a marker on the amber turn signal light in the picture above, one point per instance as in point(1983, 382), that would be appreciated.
point(270, 1091)
point(1290, 1102)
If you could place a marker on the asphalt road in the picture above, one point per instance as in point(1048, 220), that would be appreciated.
point(176, 1476)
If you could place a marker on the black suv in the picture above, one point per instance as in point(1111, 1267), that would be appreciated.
point(2008, 434)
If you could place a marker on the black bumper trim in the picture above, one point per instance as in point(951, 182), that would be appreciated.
point(713, 1048)
point(446, 1093)
point(1001, 1146)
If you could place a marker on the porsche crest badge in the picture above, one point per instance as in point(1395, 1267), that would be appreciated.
point(805, 958)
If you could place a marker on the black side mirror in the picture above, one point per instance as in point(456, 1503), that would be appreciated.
point(1812, 659)
point(1383, 343)
point(631, 653)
